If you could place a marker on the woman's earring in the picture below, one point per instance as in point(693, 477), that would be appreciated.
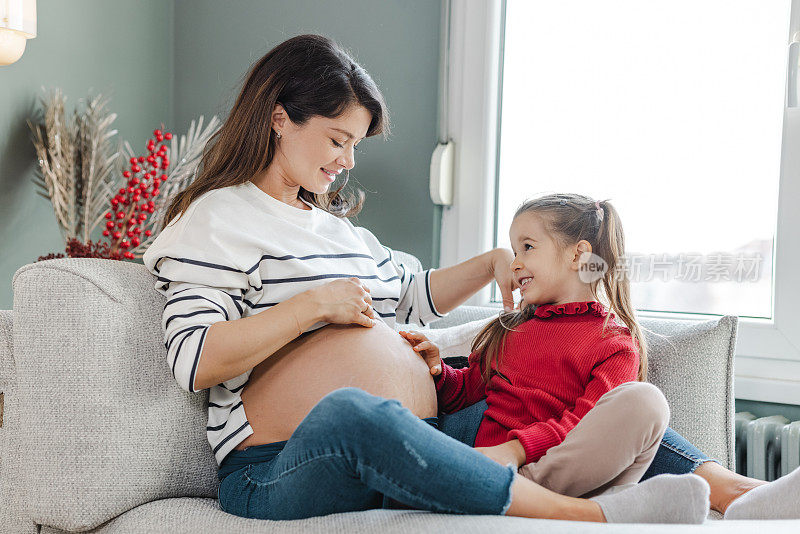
point(278, 134)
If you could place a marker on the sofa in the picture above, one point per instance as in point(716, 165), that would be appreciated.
point(97, 437)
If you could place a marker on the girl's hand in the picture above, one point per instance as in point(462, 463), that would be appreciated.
point(500, 267)
point(343, 301)
point(509, 452)
point(426, 349)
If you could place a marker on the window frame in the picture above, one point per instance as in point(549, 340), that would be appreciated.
point(767, 362)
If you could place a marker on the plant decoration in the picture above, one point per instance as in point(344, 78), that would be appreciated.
point(86, 183)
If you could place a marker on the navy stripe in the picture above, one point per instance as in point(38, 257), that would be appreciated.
point(168, 344)
point(182, 316)
point(220, 427)
point(409, 313)
point(224, 441)
point(234, 390)
point(271, 304)
point(236, 303)
point(178, 353)
point(324, 277)
point(198, 263)
point(233, 297)
point(384, 261)
point(196, 362)
point(403, 278)
point(386, 314)
point(309, 257)
point(256, 306)
point(191, 297)
point(428, 292)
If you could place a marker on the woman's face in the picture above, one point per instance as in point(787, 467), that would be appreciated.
point(312, 155)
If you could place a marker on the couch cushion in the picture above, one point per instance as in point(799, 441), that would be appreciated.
point(690, 361)
point(106, 427)
point(198, 516)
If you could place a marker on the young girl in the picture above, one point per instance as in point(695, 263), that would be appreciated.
point(562, 378)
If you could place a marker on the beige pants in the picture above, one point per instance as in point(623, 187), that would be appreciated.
point(612, 445)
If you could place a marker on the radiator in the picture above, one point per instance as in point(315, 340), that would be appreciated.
point(767, 447)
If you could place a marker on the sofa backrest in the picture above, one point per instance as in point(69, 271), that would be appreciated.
point(106, 428)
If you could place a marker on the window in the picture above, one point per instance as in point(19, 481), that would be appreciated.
point(676, 113)
point(682, 134)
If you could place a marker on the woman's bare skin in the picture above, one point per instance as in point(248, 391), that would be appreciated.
point(283, 388)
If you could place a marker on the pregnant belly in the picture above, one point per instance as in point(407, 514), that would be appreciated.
point(283, 388)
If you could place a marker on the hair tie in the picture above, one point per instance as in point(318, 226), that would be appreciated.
point(599, 210)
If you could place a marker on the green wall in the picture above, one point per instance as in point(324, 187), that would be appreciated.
point(121, 49)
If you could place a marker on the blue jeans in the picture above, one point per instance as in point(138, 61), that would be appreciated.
point(356, 451)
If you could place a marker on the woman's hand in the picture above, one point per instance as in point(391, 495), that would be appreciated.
point(500, 267)
point(426, 349)
point(343, 301)
point(509, 452)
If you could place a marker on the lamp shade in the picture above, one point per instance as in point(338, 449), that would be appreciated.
point(17, 24)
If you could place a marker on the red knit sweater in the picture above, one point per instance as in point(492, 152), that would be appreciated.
point(556, 366)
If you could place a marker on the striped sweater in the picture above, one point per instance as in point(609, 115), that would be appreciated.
point(237, 251)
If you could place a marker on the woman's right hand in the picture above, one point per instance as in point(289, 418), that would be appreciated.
point(344, 301)
point(423, 346)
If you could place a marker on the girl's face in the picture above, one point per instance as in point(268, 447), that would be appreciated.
point(312, 155)
point(541, 266)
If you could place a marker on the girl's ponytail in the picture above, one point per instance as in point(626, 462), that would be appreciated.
point(610, 245)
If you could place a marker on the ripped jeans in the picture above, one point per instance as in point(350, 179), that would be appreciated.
point(356, 451)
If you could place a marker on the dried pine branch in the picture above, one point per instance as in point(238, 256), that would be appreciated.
point(75, 162)
point(52, 137)
point(98, 163)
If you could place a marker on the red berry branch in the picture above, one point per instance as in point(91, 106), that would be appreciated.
point(127, 216)
point(125, 219)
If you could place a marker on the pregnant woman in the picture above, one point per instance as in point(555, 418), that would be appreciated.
point(283, 308)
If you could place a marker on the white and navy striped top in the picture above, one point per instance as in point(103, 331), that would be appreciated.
point(237, 251)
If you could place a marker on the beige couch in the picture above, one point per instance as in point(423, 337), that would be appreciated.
point(98, 437)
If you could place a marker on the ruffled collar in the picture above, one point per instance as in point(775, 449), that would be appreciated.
point(571, 308)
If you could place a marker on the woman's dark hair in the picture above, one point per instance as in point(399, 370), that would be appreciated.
point(570, 218)
point(309, 75)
